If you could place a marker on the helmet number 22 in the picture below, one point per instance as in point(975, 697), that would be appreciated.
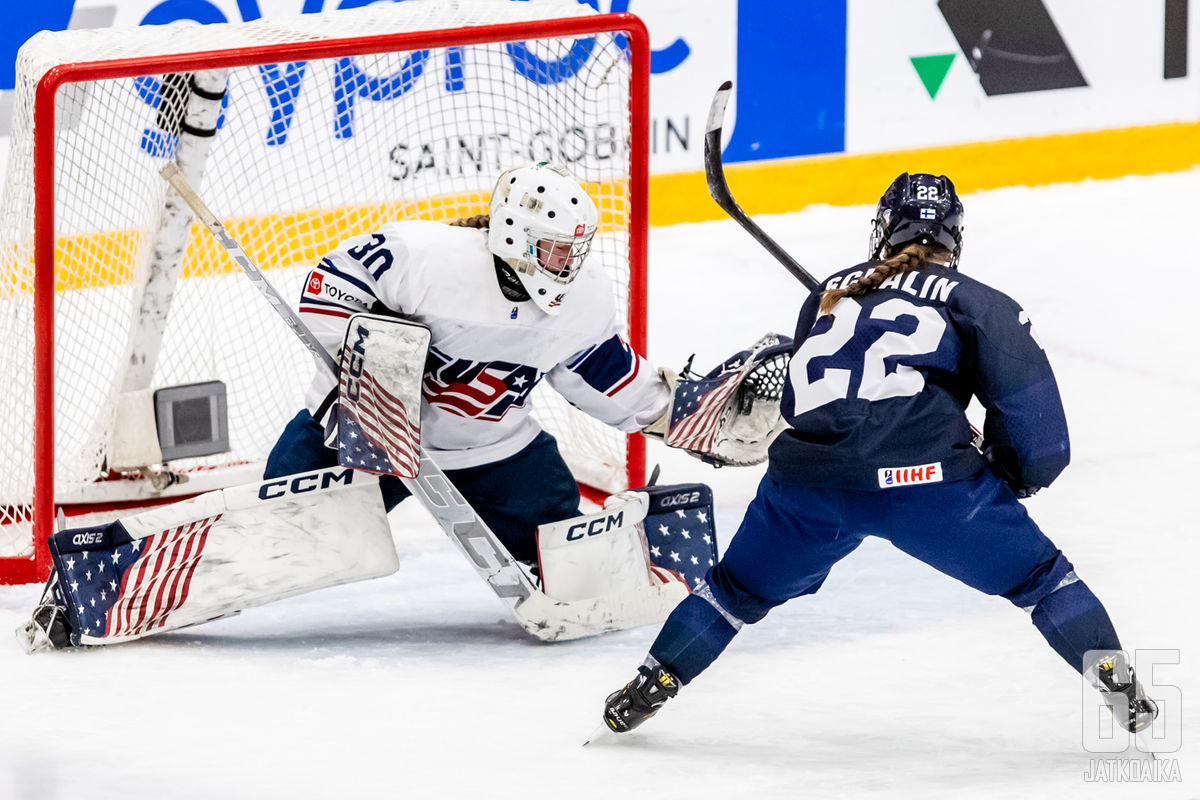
point(876, 383)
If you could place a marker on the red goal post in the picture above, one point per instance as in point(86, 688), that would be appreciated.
point(60, 280)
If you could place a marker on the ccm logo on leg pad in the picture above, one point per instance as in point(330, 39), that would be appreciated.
point(309, 482)
point(595, 527)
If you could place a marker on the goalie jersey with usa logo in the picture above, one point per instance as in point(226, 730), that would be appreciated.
point(488, 349)
point(509, 299)
point(877, 387)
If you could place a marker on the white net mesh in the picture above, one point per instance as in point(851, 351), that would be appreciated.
point(308, 152)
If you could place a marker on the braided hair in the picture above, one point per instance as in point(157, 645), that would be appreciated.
point(478, 221)
point(911, 257)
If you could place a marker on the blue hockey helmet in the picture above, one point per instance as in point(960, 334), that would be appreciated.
point(918, 208)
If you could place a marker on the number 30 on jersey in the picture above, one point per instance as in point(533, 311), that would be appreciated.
point(877, 383)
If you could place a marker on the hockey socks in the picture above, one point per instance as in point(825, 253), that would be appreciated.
point(695, 633)
point(1065, 611)
point(1073, 621)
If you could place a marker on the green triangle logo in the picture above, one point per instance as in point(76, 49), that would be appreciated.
point(932, 71)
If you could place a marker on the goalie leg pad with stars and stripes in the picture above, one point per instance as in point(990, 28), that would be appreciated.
point(210, 557)
point(637, 557)
point(681, 534)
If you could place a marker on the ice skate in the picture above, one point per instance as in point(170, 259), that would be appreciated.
point(1123, 694)
point(47, 629)
point(640, 699)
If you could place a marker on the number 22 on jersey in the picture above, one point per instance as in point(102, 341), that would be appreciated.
point(876, 383)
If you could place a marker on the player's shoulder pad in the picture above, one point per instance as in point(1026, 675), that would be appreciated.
point(972, 296)
point(998, 319)
point(590, 305)
point(422, 233)
point(436, 253)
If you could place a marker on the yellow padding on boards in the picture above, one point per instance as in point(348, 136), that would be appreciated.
point(106, 258)
point(777, 187)
point(770, 187)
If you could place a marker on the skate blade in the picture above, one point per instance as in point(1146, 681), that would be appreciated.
point(602, 732)
point(1145, 742)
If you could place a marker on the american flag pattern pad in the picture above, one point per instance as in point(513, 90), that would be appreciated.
point(115, 586)
point(379, 395)
point(680, 530)
point(375, 432)
point(700, 406)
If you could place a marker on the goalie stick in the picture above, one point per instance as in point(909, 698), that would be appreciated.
point(539, 616)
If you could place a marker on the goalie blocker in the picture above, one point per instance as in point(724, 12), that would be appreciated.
point(376, 424)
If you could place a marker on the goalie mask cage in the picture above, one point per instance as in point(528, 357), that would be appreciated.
point(298, 132)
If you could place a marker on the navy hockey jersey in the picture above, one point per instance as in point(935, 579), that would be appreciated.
point(877, 389)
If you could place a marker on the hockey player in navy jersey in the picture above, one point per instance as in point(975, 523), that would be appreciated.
point(507, 305)
point(885, 361)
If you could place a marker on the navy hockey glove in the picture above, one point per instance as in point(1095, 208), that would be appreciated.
point(1003, 461)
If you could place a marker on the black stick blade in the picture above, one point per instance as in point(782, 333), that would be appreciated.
point(714, 173)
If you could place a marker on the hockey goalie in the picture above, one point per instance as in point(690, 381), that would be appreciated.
point(219, 553)
point(222, 552)
point(466, 320)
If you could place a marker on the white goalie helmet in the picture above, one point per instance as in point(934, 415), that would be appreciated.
point(542, 224)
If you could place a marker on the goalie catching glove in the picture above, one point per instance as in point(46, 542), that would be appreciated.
point(730, 416)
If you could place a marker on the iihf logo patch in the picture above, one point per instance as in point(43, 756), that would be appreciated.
point(906, 476)
point(513, 315)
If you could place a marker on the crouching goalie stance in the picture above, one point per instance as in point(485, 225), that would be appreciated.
point(458, 323)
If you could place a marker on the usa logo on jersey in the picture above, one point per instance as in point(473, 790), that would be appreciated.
point(484, 390)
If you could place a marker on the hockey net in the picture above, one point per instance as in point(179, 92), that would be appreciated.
point(328, 126)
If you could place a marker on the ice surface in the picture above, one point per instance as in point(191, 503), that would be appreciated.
point(893, 681)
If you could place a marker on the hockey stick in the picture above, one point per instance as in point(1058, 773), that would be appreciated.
point(714, 171)
point(453, 513)
point(175, 177)
point(537, 614)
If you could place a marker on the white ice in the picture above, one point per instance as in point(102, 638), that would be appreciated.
point(893, 681)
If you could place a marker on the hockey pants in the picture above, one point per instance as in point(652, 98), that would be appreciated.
point(513, 495)
point(973, 530)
